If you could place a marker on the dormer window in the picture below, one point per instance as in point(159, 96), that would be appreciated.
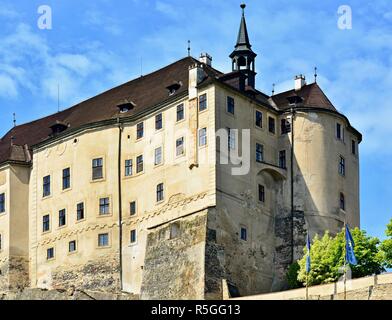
point(125, 105)
point(58, 127)
point(174, 87)
point(295, 99)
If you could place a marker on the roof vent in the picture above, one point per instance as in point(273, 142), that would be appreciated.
point(206, 59)
point(58, 127)
point(125, 105)
point(174, 87)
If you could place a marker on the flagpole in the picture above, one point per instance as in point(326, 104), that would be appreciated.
point(344, 267)
point(307, 289)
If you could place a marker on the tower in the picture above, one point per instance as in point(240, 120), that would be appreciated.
point(243, 58)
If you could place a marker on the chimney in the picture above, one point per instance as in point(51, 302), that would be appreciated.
point(196, 75)
point(206, 58)
point(299, 82)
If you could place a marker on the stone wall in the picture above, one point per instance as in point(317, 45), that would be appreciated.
point(14, 274)
point(174, 261)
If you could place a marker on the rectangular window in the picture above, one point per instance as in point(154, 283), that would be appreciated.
point(202, 137)
point(139, 130)
point(342, 202)
point(128, 167)
point(139, 164)
point(66, 178)
point(282, 159)
point(103, 240)
point(180, 146)
point(342, 166)
point(285, 126)
point(72, 246)
point(62, 218)
point(2, 203)
point(271, 125)
point(353, 147)
point(203, 102)
point(104, 206)
point(158, 121)
point(46, 186)
point(259, 152)
point(160, 194)
point(244, 234)
point(80, 211)
point(49, 253)
point(339, 132)
point(97, 168)
point(133, 236)
point(230, 105)
point(231, 138)
point(45, 223)
point(1, 242)
point(261, 193)
point(259, 119)
point(158, 156)
point(132, 208)
point(180, 112)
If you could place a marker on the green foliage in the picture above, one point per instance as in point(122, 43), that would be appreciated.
point(386, 247)
point(327, 258)
point(292, 276)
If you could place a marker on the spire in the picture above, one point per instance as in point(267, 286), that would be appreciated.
point(243, 58)
point(243, 37)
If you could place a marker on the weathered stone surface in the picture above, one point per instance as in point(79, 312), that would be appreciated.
point(174, 268)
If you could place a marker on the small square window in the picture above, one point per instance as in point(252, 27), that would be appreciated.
point(104, 206)
point(244, 234)
point(139, 130)
point(203, 102)
point(180, 112)
point(49, 253)
point(72, 246)
point(132, 208)
point(103, 240)
point(230, 105)
point(133, 236)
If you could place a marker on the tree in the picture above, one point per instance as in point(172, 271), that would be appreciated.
point(386, 247)
point(327, 258)
point(292, 276)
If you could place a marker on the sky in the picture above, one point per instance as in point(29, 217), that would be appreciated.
point(96, 45)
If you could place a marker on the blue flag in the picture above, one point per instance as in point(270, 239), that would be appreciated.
point(350, 255)
point(308, 254)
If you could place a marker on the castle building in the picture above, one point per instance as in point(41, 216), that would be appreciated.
point(177, 184)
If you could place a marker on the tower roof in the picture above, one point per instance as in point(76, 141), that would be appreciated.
point(243, 43)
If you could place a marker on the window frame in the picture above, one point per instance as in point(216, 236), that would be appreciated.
point(273, 131)
point(51, 249)
point(160, 192)
point(202, 102)
point(133, 236)
point(261, 119)
point(261, 193)
point(2, 203)
point(140, 164)
point(78, 210)
point(107, 240)
point(128, 167)
point(155, 156)
point(259, 152)
point(62, 218)
point(342, 201)
point(280, 158)
point(182, 138)
point(182, 112)
point(46, 186)
point(243, 233)
point(135, 208)
point(75, 246)
point(44, 223)
point(104, 203)
point(159, 120)
point(140, 130)
point(230, 105)
point(202, 138)
point(285, 126)
point(97, 166)
point(342, 166)
point(67, 179)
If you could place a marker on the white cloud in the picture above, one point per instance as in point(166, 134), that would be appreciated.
point(8, 87)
